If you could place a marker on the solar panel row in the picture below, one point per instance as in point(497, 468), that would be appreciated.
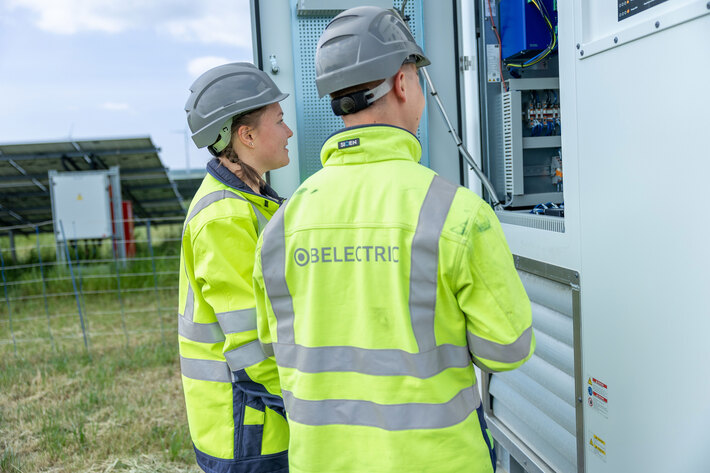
point(24, 185)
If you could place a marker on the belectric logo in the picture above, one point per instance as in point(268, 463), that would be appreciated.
point(347, 254)
point(301, 257)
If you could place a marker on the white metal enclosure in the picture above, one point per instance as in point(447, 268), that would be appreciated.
point(634, 119)
point(644, 264)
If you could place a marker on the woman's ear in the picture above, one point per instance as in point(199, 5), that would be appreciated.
point(246, 135)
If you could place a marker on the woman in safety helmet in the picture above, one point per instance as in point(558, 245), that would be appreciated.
point(235, 414)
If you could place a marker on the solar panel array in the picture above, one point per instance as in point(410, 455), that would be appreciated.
point(24, 185)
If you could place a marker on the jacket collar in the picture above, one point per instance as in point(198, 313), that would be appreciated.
point(369, 144)
point(227, 177)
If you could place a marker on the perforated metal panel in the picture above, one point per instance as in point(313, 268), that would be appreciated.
point(509, 119)
point(541, 222)
point(316, 121)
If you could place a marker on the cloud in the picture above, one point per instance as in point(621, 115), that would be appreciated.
point(222, 22)
point(115, 106)
point(206, 21)
point(202, 64)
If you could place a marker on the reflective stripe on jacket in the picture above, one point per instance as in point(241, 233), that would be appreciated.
point(236, 424)
point(382, 282)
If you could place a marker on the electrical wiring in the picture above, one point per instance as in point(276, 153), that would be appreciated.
point(401, 10)
point(493, 197)
point(553, 39)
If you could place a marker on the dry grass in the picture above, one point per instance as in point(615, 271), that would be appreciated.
point(120, 410)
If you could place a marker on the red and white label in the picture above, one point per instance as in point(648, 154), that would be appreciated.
point(598, 390)
point(599, 383)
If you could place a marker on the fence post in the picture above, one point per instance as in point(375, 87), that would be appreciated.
point(44, 289)
point(120, 298)
point(7, 300)
point(81, 288)
point(13, 249)
point(155, 280)
point(73, 282)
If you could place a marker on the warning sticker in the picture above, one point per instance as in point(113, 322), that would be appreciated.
point(493, 62)
point(488, 11)
point(597, 446)
point(598, 396)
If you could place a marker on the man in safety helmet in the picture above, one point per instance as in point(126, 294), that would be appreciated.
point(379, 284)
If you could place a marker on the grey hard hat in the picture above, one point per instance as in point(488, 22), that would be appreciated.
point(223, 92)
point(361, 45)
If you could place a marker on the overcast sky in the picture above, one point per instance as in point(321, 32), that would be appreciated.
point(112, 68)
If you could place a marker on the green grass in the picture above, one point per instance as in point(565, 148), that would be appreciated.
point(117, 406)
point(38, 305)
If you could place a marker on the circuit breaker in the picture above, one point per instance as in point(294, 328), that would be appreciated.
point(532, 143)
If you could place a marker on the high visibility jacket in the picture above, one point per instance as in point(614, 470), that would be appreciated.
point(236, 424)
point(377, 285)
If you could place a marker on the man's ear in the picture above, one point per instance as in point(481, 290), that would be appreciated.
point(400, 85)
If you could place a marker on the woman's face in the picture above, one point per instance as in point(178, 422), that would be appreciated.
point(271, 136)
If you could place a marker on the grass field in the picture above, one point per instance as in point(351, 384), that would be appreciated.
point(117, 406)
point(118, 410)
point(119, 301)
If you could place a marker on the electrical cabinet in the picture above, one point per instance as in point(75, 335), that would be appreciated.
point(607, 242)
point(521, 119)
point(87, 205)
point(82, 205)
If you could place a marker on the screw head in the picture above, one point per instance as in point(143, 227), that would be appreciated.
point(581, 53)
point(578, 45)
point(658, 24)
point(708, 5)
point(616, 39)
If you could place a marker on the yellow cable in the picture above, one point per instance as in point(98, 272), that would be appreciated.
point(549, 48)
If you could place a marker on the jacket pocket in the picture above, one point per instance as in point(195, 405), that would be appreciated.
point(248, 426)
point(275, 437)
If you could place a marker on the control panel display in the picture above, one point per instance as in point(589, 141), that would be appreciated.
point(628, 8)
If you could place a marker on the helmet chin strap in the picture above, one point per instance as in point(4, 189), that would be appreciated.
point(379, 91)
point(356, 101)
point(225, 136)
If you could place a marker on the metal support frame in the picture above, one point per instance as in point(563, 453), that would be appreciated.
point(24, 173)
point(143, 173)
point(14, 214)
point(522, 453)
point(77, 154)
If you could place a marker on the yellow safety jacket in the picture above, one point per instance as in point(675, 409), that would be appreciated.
point(236, 424)
point(378, 285)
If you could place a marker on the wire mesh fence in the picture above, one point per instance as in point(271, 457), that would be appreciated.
point(87, 294)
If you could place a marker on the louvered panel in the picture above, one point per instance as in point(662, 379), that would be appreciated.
point(535, 406)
